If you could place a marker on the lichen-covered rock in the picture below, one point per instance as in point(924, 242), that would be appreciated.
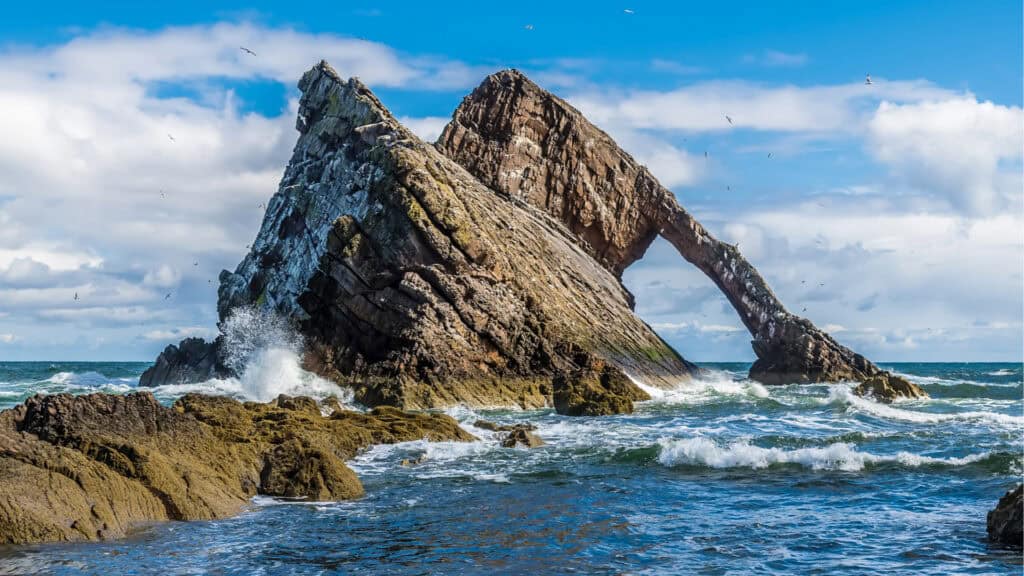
point(1006, 520)
point(89, 467)
point(193, 360)
point(535, 148)
point(889, 387)
point(596, 389)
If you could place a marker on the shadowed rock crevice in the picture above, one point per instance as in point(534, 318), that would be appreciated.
point(528, 144)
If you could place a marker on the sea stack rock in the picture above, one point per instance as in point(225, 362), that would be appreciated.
point(535, 148)
point(1006, 520)
point(478, 269)
point(419, 286)
point(193, 360)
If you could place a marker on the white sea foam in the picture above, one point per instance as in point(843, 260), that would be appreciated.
point(741, 454)
point(843, 395)
point(265, 351)
point(709, 387)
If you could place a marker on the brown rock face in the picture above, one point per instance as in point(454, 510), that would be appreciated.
point(530, 145)
point(1006, 520)
point(89, 467)
point(417, 285)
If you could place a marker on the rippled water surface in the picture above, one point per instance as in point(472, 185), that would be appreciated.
point(721, 476)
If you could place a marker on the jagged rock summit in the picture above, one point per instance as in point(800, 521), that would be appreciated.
point(480, 269)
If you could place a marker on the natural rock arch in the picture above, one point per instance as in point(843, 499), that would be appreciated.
point(529, 144)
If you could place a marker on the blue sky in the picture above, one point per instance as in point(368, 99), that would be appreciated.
point(890, 212)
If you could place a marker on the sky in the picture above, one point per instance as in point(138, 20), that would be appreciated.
point(889, 214)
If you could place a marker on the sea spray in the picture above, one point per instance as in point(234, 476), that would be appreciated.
point(265, 351)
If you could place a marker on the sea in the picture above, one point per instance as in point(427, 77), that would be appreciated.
point(718, 476)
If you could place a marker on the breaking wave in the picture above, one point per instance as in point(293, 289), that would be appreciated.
point(843, 396)
point(741, 454)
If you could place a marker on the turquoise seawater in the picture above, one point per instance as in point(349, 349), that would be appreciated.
point(720, 476)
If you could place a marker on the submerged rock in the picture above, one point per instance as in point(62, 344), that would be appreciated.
point(487, 425)
point(596, 389)
point(90, 467)
point(1006, 520)
point(888, 387)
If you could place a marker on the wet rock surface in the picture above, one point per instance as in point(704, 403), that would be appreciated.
point(521, 436)
point(90, 467)
point(1006, 520)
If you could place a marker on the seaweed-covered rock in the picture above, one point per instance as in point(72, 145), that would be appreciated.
point(596, 389)
point(1006, 520)
point(888, 387)
point(89, 467)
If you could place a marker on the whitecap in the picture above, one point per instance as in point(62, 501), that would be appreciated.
point(843, 395)
point(741, 454)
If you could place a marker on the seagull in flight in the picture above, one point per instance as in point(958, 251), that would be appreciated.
point(162, 194)
point(705, 154)
point(528, 27)
point(729, 119)
point(628, 11)
point(195, 262)
point(171, 138)
point(867, 79)
point(246, 50)
point(76, 295)
point(769, 155)
point(168, 297)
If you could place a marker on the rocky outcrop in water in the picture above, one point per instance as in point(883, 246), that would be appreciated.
point(535, 148)
point(889, 387)
point(1006, 520)
point(90, 467)
point(193, 360)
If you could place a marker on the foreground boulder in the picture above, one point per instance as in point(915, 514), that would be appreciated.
point(596, 389)
point(1006, 520)
point(90, 467)
point(889, 387)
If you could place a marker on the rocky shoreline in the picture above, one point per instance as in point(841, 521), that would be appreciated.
point(91, 467)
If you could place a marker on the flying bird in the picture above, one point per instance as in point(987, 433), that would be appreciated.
point(76, 295)
point(261, 206)
point(867, 79)
point(769, 155)
point(805, 309)
point(171, 138)
point(728, 118)
point(162, 194)
point(195, 263)
point(528, 26)
point(246, 50)
point(168, 296)
point(705, 154)
point(628, 11)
